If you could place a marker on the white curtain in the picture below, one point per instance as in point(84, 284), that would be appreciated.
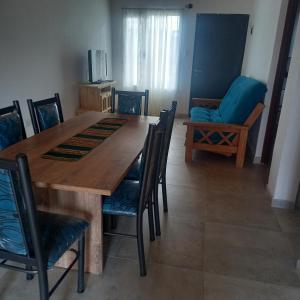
point(150, 56)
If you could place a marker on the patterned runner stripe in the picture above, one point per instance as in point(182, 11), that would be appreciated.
point(82, 143)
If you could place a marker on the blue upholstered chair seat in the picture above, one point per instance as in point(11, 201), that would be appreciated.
point(58, 233)
point(124, 201)
point(134, 171)
point(202, 114)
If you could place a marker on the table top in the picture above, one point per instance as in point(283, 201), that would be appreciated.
point(100, 171)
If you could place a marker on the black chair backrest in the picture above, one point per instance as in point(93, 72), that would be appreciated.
point(39, 110)
point(14, 108)
point(150, 160)
point(19, 231)
point(130, 102)
point(167, 138)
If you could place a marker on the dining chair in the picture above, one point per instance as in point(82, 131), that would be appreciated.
point(135, 170)
point(129, 102)
point(34, 239)
point(45, 113)
point(132, 198)
point(12, 128)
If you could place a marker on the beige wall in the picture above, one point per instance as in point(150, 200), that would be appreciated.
point(188, 24)
point(44, 48)
point(262, 56)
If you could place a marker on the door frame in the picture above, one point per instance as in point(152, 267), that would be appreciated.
point(271, 129)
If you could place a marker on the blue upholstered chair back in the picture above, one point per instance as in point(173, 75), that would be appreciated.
point(240, 100)
point(45, 113)
point(11, 125)
point(12, 217)
point(130, 102)
point(10, 130)
point(47, 116)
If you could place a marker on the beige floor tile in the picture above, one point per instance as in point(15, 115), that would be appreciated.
point(184, 202)
point(289, 220)
point(241, 213)
point(218, 287)
point(248, 263)
point(274, 243)
point(119, 281)
point(185, 175)
point(283, 293)
point(180, 245)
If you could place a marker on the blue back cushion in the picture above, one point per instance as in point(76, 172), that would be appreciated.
point(240, 100)
point(130, 105)
point(11, 230)
point(10, 130)
point(47, 116)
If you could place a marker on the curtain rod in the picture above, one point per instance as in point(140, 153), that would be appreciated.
point(149, 8)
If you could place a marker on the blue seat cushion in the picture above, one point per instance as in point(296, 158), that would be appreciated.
point(47, 116)
point(58, 233)
point(202, 114)
point(240, 100)
point(134, 172)
point(10, 130)
point(130, 105)
point(124, 201)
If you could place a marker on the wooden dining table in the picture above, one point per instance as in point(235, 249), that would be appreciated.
point(76, 188)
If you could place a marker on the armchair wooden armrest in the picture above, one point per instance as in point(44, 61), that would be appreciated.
point(206, 102)
point(215, 126)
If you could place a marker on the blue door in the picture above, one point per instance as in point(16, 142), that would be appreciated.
point(218, 53)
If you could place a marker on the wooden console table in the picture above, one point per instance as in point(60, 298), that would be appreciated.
point(95, 97)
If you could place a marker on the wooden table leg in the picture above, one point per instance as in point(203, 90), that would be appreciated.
point(82, 205)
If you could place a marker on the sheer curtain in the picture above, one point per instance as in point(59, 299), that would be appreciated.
point(151, 51)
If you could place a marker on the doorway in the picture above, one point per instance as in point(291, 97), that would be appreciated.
point(218, 53)
point(282, 72)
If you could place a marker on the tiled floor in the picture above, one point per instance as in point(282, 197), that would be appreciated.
point(220, 240)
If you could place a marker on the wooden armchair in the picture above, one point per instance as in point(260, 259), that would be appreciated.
point(223, 138)
point(231, 138)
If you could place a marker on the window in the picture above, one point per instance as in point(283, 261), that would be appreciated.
point(151, 49)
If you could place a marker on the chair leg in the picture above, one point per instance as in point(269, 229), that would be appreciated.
point(151, 223)
point(164, 192)
point(28, 275)
point(156, 209)
point(113, 222)
point(43, 284)
point(241, 151)
point(140, 243)
point(189, 144)
point(81, 252)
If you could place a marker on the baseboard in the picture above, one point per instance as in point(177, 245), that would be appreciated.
point(284, 204)
point(257, 160)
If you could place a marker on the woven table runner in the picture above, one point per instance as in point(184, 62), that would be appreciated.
point(82, 143)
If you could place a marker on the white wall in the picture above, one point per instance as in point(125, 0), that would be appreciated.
point(285, 169)
point(44, 48)
point(262, 54)
point(189, 22)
